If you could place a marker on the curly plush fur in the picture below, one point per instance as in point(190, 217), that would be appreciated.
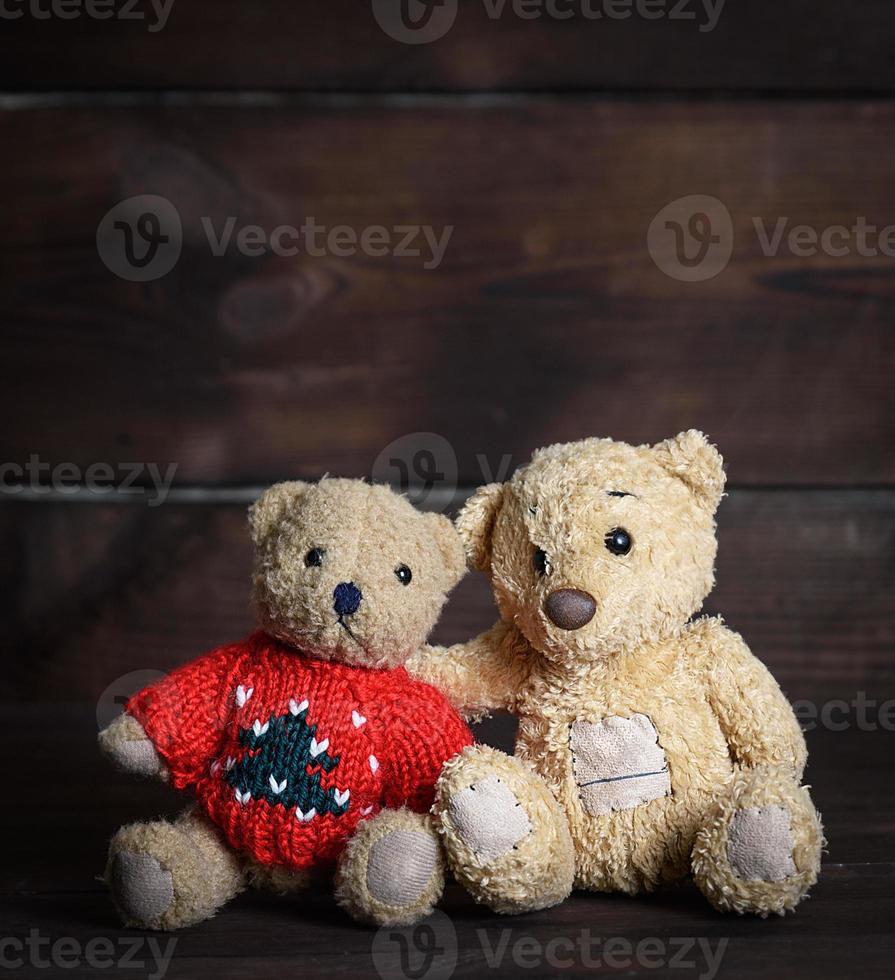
point(167, 875)
point(655, 743)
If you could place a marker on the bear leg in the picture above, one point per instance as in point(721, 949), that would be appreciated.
point(506, 837)
point(759, 852)
point(392, 870)
point(165, 875)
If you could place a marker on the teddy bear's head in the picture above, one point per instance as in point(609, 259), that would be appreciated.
point(349, 571)
point(597, 546)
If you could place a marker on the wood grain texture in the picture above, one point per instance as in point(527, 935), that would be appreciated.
point(92, 593)
point(47, 882)
point(796, 46)
point(547, 319)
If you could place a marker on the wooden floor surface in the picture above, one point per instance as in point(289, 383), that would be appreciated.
point(65, 805)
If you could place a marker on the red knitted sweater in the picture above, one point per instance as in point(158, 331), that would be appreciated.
point(287, 753)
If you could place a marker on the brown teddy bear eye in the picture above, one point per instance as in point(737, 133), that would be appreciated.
point(618, 541)
point(541, 561)
point(314, 558)
point(403, 574)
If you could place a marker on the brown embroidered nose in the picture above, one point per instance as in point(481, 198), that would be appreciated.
point(570, 609)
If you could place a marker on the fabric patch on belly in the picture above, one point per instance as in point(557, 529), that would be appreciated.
point(618, 763)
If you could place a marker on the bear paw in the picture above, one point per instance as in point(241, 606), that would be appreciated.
point(488, 818)
point(759, 844)
point(392, 871)
point(141, 887)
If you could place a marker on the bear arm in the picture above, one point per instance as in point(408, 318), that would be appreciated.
point(125, 745)
point(424, 732)
point(757, 720)
point(482, 675)
point(185, 714)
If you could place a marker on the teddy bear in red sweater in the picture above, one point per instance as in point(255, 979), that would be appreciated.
point(292, 738)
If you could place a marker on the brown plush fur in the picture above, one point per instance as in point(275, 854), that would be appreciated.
point(366, 532)
point(724, 730)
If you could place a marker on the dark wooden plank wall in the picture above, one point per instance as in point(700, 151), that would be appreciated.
point(549, 146)
point(546, 320)
point(793, 45)
point(94, 592)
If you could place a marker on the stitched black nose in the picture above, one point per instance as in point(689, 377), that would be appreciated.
point(346, 598)
point(570, 609)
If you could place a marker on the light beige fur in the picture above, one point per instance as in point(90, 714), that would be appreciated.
point(366, 532)
point(640, 683)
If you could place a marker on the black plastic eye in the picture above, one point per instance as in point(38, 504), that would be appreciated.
point(618, 541)
point(314, 558)
point(403, 574)
point(541, 561)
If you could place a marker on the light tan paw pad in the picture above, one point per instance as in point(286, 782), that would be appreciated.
point(400, 866)
point(143, 889)
point(139, 758)
point(488, 818)
point(759, 844)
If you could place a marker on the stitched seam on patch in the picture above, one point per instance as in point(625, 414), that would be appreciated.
point(615, 779)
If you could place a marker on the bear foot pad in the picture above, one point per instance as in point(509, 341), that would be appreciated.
point(400, 866)
point(489, 819)
point(143, 889)
point(759, 844)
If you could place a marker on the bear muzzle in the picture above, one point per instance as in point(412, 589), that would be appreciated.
point(570, 609)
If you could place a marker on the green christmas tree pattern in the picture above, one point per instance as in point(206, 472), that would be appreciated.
point(283, 764)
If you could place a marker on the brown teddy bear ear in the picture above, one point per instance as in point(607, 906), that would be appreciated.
point(269, 508)
point(693, 459)
point(450, 545)
point(475, 523)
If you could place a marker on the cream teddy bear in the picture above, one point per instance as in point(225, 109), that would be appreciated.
point(652, 745)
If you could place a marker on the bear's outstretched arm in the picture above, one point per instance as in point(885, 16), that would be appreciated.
point(174, 727)
point(760, 726)
point(479, 676)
